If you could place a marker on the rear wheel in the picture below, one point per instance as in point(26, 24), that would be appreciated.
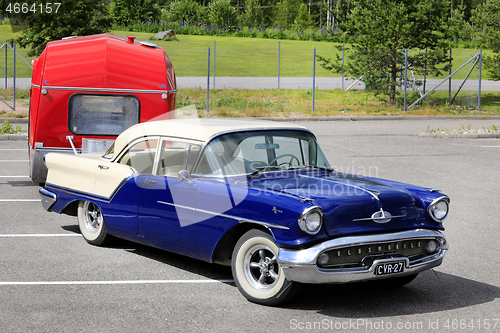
point(91, 223)
point(256, 271)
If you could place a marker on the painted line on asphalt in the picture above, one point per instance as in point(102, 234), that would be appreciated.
point(14, 176)
point(20, 200)
point(490, 146)
point(14, 161)
point(18, 149)
point(42, 283)
point(40, 235)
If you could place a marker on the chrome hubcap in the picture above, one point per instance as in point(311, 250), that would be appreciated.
point(92, 216)
point(261, 267)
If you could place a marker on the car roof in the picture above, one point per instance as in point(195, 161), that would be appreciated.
point(196, 129)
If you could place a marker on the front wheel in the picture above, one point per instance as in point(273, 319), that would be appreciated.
point(91, 223)
point(256, 271)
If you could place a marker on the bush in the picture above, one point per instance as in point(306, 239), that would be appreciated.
point(222, 14)
point(187, 10)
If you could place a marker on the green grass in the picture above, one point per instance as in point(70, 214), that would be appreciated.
point(251, 57)
point(298, 103)
point(259, 57)
point(247, 57)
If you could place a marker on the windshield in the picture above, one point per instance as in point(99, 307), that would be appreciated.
point(247, 152)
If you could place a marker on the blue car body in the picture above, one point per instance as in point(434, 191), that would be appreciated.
point(365, 223)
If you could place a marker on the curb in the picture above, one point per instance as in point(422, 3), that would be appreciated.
point(330, 118)
point(371, 118)
point(14, 137)
point(14, 120)
point(461, 136)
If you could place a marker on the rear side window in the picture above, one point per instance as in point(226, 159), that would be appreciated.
point(102, 114)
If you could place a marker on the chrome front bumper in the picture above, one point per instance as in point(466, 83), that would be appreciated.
point(48, 199)
point(300, 265)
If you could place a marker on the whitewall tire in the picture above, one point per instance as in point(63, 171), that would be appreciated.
point(91, 223)
point(256, 271)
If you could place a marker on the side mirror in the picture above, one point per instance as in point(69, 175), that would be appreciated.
point(183, 175)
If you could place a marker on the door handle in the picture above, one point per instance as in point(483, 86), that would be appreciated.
point(151, 181)
point(103, 167)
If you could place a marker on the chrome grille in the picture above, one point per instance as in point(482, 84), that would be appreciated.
point(363, 255)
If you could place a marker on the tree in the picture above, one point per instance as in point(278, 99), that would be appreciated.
point(380, 30)
point(258, 13)
point(125, 12)
point(73, 18)
point(486, 18)
point(222, 14)
point(287, 12)
point(303, 20)
point(187, 10)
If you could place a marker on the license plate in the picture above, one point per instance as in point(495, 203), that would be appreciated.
point(390, 268)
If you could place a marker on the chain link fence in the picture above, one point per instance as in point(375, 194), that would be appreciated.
point(403, 78)
point(15, 77)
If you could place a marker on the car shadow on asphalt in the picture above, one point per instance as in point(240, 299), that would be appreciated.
point(431, 291)
point(208, 270)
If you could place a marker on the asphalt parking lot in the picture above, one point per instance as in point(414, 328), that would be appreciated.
point(51, 280)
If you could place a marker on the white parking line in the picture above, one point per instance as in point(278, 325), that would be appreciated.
point(40, 235)
point(14, 161)
point(14, 149)
point(490, 146)
point(34, 283)
point(14, 176)
point(20, 200)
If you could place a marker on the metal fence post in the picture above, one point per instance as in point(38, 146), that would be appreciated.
point(314, 77)
point(5, 65)
point(425, 69)
point(343, 52)
point(449, 84)
point(208, 82)
point(214, 64)
point(480, 72)
point(279, 60)
point(406, 78)
point(14, 79)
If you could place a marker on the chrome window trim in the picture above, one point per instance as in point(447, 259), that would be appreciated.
point(232, 217)
point(210, 139)
point(135, 141)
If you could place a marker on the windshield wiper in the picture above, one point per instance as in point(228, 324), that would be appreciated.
point(264, 168)
point(311, 167)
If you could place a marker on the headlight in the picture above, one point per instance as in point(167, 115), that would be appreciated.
point(311, 219)
point(439, 208)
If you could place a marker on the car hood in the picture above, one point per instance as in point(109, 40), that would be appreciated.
point(349, 202)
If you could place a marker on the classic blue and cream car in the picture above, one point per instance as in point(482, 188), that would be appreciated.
point(258, 196)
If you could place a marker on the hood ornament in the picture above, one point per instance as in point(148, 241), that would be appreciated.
point(381, 216)
point(276, 211)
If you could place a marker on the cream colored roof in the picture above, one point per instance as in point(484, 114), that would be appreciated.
point(194, 129)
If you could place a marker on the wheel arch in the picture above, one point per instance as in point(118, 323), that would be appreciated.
point(224, 248)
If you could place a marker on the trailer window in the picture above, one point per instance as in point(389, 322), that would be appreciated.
point(102, 114)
